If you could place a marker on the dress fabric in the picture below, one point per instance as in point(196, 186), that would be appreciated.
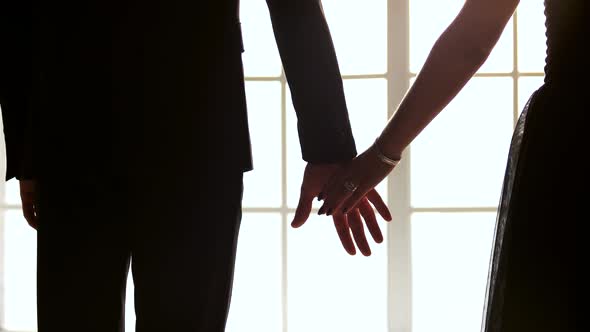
point(536, 257)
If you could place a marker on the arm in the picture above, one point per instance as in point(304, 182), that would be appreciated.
point(311, 67)
point(16, 118)
point(458, 53)
point(455, 57)
point(16, 77)
point(16, 86)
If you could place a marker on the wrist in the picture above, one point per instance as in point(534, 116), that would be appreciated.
point(387, 157)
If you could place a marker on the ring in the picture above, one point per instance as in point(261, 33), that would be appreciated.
point(350, 186)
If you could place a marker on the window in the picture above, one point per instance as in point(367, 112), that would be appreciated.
point(430, 273)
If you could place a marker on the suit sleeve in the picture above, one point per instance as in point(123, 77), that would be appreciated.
point(15, 90)
point(16, 122)
point(312, 71)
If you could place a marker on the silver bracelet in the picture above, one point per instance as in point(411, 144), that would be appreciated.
point(384, 158)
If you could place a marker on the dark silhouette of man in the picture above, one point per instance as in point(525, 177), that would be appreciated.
point(16, 82)
point(126, 123)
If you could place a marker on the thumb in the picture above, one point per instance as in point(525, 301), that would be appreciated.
point(303, 210)
point(379, 204)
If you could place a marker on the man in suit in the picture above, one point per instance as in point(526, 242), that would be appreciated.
point(139, 141)
point(15, 81)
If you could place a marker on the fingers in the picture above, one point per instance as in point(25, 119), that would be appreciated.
point(352, 200)
point(27, 195)
point(379, 204)
point(343, 230)
point(356, 227)
point(303, 209)
point(368, 214)
point(28, 208)
point(314, 180)
point(334, 193)
point(29, 214)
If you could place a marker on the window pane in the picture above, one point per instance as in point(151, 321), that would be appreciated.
point(19, 254)
point(460, 158)
point(367, 107)
point(129, 305)
point(329, 290)
point(450, 257)
point(501, 60)
point(12, 192)
point(359, 31)
point(19, 271)
point(256, 299)
point(428, 20)
point(526, 87)
point(531, 36)
point(262, 186)
point(261, 57)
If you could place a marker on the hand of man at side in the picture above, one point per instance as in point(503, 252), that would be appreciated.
point(314, 180)
point(27, 195)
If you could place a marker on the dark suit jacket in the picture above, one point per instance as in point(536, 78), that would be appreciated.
point(15, 82)
point(127, 86)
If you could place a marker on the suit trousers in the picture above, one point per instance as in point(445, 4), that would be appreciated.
point(178, 236)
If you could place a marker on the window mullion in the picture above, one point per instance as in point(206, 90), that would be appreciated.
point(284, 204)
point(399, 297)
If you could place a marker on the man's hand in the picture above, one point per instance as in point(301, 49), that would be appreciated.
point(27, 196)
point(365, 171)
point(314, 180)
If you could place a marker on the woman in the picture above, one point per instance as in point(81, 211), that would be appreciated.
point(532, 270)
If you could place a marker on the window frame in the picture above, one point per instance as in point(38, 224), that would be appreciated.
point(399, 258)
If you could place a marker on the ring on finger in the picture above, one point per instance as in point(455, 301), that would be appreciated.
point(350, 186)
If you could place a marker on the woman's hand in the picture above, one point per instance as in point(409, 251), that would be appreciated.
point(352, 183)
point(349, 226)
point(352, 223)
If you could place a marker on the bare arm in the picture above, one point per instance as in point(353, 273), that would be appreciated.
point(455, 57)
point(457, 54)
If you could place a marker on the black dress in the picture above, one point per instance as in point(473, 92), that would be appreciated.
point(535, 268)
